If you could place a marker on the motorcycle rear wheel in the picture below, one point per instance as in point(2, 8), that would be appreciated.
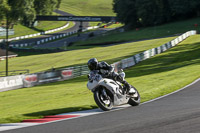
point(104, 104)
point(135, 98)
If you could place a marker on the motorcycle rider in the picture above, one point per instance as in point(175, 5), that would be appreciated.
point(107, 71)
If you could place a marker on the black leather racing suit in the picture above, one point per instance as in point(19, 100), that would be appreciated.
point(107, 71)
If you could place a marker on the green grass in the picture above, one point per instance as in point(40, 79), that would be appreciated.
point(154, 77)
point(88, 7)
point(21, 30)
point(37, 63)
point(146, 33)
point(115, 25)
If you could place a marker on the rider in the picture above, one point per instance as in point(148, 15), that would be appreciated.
point(107, 71)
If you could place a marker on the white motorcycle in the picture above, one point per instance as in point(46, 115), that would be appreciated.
point(109, 93)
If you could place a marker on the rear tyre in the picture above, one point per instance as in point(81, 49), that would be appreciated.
point(105, 104)
point(135, 98)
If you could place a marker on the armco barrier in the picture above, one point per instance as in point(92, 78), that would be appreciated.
point(125, 63)
point(54, 75)
point(50, 38)
point(15, 82)
point(11, 82)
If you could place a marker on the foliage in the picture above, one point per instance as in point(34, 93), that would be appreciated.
point(25, 11)
point(21, 10)
point(125, 11)
point(137, 13)
point(45, 7)
point(3, 8)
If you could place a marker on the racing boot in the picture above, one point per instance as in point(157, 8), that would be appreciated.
point(128, 87)
point(130, 90)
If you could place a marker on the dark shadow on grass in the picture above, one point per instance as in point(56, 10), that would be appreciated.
point(36, 29)
point(59, 111)
point(177, 57)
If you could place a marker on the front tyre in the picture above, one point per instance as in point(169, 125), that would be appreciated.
point(135, 98)
point(105, 103)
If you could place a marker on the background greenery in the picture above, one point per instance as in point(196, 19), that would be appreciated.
point(143, 13)
point(88, 7)
point(25, 11)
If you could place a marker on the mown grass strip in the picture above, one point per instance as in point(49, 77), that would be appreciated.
point(88, 7)
point(153, 77)
point(169, 29)
point(43, 62)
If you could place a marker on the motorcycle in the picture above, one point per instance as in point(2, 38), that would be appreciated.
point(109, 93)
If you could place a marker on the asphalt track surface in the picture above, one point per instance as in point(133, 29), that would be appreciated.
point(176, 113)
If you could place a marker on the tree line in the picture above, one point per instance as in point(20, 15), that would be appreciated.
point(142, 13)
point(25, 11)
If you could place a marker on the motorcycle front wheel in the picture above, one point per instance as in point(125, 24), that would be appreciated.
point(104, 102)
point(135, 98)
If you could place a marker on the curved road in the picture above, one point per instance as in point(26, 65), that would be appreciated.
point(31, 40)
point(176, 113)
point(65, 41)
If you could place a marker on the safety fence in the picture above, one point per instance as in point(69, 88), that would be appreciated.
point(76, 71)
point(49, 39)
point(131, 61)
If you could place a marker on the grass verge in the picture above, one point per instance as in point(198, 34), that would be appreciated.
point(88, 7)
point(154, 77)
point(43, 62)
point(144, 33)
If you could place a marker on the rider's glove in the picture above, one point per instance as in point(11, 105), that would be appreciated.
point(105, 72)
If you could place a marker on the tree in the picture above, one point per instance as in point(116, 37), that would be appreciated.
point(58, 4)
point(164, 11)
point(126, 12)
point(25, 11)
point(154, 12)
point(3, 9)
point(22, 10)
point(195, 4)
point(46, 7)
point(180, 8)
point(146, 12)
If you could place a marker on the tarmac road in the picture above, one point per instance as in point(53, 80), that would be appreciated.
point(176, 113)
